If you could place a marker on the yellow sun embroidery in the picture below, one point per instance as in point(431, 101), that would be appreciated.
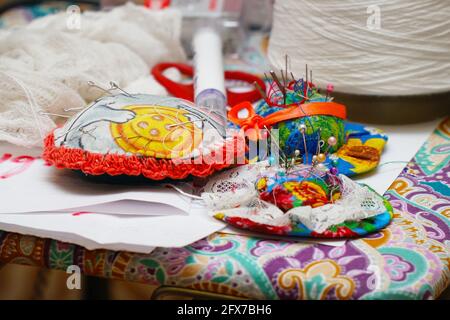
point(156, 131)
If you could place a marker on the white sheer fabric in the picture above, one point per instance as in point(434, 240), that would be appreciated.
point(45, 67)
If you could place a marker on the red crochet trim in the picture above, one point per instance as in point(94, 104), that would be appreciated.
point(152, 168)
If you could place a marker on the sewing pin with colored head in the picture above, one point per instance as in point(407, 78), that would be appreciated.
point(281, 153)
point(260, 90)
point(292, 76)
point(284, 86)
point(277, 81)
point(93, 84)
point(331, 143)
point(114, 86)
point(303, 131)
point(53, 114)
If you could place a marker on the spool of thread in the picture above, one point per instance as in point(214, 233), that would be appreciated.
point(209, 81)
point(376, 47)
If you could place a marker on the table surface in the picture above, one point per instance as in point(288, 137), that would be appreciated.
point(407, 260)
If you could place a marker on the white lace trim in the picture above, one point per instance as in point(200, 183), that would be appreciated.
point(357, 202)
point(234, 194)
point(233, 188)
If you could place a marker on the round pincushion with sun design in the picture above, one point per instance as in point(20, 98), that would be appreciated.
point(156, 137)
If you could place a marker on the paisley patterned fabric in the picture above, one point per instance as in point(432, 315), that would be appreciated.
point(408, 260)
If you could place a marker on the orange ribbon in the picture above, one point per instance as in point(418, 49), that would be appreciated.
point(257, 122)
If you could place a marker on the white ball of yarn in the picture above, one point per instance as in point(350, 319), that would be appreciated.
point(376, 47)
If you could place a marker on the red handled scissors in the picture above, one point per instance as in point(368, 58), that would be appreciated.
point(186, 91)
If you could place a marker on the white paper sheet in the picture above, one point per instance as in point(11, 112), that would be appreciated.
point(115, 232)
point(130, 207)
point(36, 187)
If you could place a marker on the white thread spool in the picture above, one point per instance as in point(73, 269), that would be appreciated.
point(388, 48)
point(209, 81)
point(382, 47)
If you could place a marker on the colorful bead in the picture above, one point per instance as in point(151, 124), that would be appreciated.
point(332, 141)
point(271, 160)
point(334, 171)
point(330, 87)
point(321, 157)
point(302, 127)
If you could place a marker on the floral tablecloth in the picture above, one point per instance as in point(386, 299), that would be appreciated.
point(408, 260)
